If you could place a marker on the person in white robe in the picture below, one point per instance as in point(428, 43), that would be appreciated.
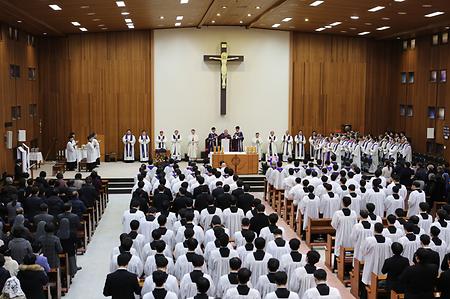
point(219, 260)
point(336, 149)
point(150, 263)
point(406, 150)
point(229, 280)
point(71, 153)
point(256, 262)
point(96, 144)
point(171, 283)
point(203, 287)
point(391, 231)
point(437, 244)
point(161, 141)
point(188, 286)
point(442, 223)
point(281, 290)
point(272, 151)
point(309, 207)
point(91, 156)
point(356, 199)
point(312, 142)
point(329, 202)
point(425, 219)
point(376, 250)
point(232, 218)
point(377, 196)
point(176, 146)
point(243, 290)
point(374, 154)
point(416, 196)
point(322, 290)
point(394, 201)
point(134, 265)
point(128, 141)
point(410, 242)
point(300, 141)
point(160, 290)
point(360, 231)
point(183, 264)
point(132, 214)
point(292, 260)
point(278, 246)
point(287, 143)
point(266, 283)
point(144, 151)
point(303, 278)
point(244, 250)
point(343, 221)
point(356, 154)
point(257, 143)
point(193, 145)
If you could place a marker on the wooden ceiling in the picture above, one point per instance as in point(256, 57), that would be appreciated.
point(403, 18)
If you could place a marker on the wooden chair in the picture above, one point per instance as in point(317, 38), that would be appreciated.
point(279, 199)
point(58, 168)
point(318, 226)
point(82, 165)
point(344, 259)
point(355, 277)
point(395, 295)
point(374, 290)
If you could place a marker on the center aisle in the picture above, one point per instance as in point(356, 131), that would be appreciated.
point(89, 282)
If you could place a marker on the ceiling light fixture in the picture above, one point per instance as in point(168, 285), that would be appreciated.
point(179, 18)
point(161, 17)
point(83, 29)
point(131, 26)
point(178, 24)
point(276, 25)
point(224, 7)
point(383, 28)
point(320, 29)
point(385, 19)
point(218, 14)
point(317, 3)
point(368, 24)
point(287, 19)
point(249, 15)
point(91, 13)
point(120, 3)
point(376, 8)
point(328, 27)
point(306, 20)
point(76, 24)
point(19, 21)
point(434, 14)
point(55, 7)
point(258, 7)
point(364, 33)
point(399, 0)
point(335, 23)
point(125, 13)
point(45, 33)
point(101, 25)
point(354, 17)
point(128, 21)
point(213, 21)
point(426, 5)
point(184, 1)
point(241, 22)
point(401, 13)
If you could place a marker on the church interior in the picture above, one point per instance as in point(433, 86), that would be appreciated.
point(357, 73)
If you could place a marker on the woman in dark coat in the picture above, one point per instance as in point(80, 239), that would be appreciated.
point(32, 278)
point(51, 246)
point(68, 242)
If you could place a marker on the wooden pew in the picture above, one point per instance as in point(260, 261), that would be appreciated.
point(299, 225)
point(374, 290)
point(82, 237)
point(65, 272)
point(54, 277)
point(344, 259)
point(355, 277)
point(266, 189)
point(279, 200)
point(395, 295)
point(288, 213)
point(316, 227)
point(329, 249)
point(88, 220)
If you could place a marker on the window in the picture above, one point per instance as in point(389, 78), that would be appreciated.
point(32, 73)
point(413, 44)
point(409, 110)
point(411, 77)
point(404, 78)
point(433, 76)
point(445, 38)
point(441, 113)
point(33, 110)
point(402, 110)
point(431, 112)
point(443, 76)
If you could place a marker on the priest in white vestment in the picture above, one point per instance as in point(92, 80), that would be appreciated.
point(160, 142)
point(287, 142)
point(300, 141)
point(257, 143)
point(128, 141)
point(91, 155)
point(193, 146)
point(71, 153)
point(144, 141)
point(176, 146)
point(272, 151)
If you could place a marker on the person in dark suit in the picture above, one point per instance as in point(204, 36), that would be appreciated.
point(88, 193)
point(443, 283)
point(419, 279)
point(201, 187)
point(122, 284)
point(180, 201)
point(43, 215)
point(245, 200)
point(223, 200)
point(160, 197)
point(218, 191)
point(239, 191)
point(432, 256)
point(74, 220)
point(32, 204)
point(55, 203)
point(394, 267)
point(260, 220)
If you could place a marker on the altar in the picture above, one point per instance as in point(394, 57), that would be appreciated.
point(240, 162)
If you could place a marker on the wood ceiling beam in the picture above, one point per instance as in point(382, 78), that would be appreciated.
point(20, 14)
point(411, 33)
point(205, 16)
point(268, 10)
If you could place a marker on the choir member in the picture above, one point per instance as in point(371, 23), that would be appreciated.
point(171, 283)
point(128, 140)
point(219, 259)
point(176, 146)
point(161, 141)
point(144, 141)
point(303, 277)
point(256, 261)
point(415, 198)
point(229, 280)
point(281, 290)
point(287, 146)
point(160, 292)
point(312, 139)
point(322, 290)
point(266, 283)
point(192, 146)
point(71, 153)
point(238, 140)
point(300, 141)
point(292, 260)
point(203, 286)
point(272, 151)
point(343, 221)
point(243, 291)
point(188, 283)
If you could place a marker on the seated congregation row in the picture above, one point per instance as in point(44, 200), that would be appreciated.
point(179, 214)
point(39, 220)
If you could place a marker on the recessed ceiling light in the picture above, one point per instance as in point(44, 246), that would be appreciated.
point(218, 14)
point(352, 28)
point(287, 19)
point(125, 13)
point(402, 13)
point(316, 3)
point(101, 25)
point(368, 24)
point(84, 6)
point(55, 7)
point(104, 28)
point(426, 5)
point(96, 20)
point(19, 21)
point(335, 23)
point(120, 3)
point(258, 7)
point(128, 21)
point(447, 27)
point(83, 29)
point(385, 19)
point(178, 24)
point(91, 13)
point(241, 22)
point(179, 18)
point(383, 28)
point(328, 27)
point(306, 20)
point(320, 29)
point(399, 0)
point(75, 24)
point(376, 8)
point(434, 14)
point(364, 33)
point(161, 17)
point(224, 7)
point(398, 37)
point(213, 21)
point(184, 1)
point(249, 15)
point(45, 33)
point(354, 17)
point(343, 31)
point(276, 25)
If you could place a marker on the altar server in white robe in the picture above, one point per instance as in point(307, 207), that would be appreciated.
point(278, 246)
point(71, 153)
point(272, 150)
point(441, 223)
point(161, 141)
point(374, 153)
point(244, 250)
point(391, 231)
point(183, 264)
point(243, 291)
point(360, 231)
point(303, 278)
point(292, 260)
point(96, 144)
point(343, 221)
point(300, 141)
point(281, 290)
point(394, 201)
point(406, 150)
point(322, 290)
point(203, 286)
point(329, 202)
point(437, 244)
point(287, 142)
point(312, 141)
point(309, 207)
point(132, 214)
point(229, 280)
point(256, 262)
point(377, 196)
point(144, 141)
point(257, 143)
point(91, 156)
point(410, 242)
point(150, 263)
point(336, 149)
point(188, 286)
point(266, 283)
point(160, 290)
point(376, 250)
point(232, 217)
point(219, 260)
point(193, 145)
point(425, 219)
point(128, 141)
point(356, 153)
point(171, 283)
point(415, 198)
point(176, 146)
point(135, 264)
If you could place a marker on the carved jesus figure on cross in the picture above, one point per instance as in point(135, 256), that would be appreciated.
point(223, 63)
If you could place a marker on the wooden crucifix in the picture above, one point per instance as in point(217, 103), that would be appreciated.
point(223, 58)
